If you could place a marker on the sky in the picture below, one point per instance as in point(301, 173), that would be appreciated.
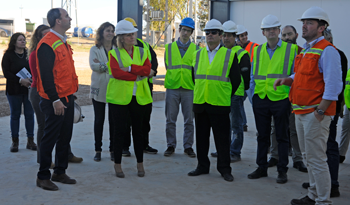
point(90, 12)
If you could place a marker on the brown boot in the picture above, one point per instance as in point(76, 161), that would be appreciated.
point(14, 146)
point(46, 184)
point(75, 159)
point(31, 144)
point(140, 170)
point(118, 170)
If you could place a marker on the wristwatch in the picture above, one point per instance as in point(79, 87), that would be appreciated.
point(319, 111)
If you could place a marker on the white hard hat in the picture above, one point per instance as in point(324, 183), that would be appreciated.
point(315, 12)
point(229, 27)
point(213, 24)
point(124, 27)
point(78, 116)
point(241, 29)
point(270, 21)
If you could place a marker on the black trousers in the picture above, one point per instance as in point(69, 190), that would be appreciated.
point(333, 152)
point(58, 131)
point(146, 126)
point(99, 111)
point(121, 114)
point(220, 123)
point(263, 110)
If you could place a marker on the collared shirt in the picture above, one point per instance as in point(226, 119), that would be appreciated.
point(328, 64)
point(270, 52)
point(183, 47)
point(63, 38)
point(211, 54)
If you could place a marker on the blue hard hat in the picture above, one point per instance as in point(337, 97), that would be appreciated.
point(187, 22)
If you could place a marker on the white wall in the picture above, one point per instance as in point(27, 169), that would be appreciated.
point(251, 13)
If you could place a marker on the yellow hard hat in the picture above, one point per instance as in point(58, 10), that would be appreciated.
point(131, 20)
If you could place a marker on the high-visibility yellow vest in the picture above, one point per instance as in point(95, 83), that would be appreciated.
point(267, 70)
point(120, 91)
point(240, 53)
point(347, 90)
point(179, 70)
point(212, 82)
point(146, 46)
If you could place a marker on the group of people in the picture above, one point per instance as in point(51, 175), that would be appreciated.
point(296, 94)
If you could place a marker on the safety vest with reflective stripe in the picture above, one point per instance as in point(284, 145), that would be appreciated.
point(65, 78)
point(308, 85)
point(240, 53)
point(120, 92)
point(267, 70)
point(212, 82)
point(347, 90)
point(147, 46)
point(250, 48)
point(179, 69)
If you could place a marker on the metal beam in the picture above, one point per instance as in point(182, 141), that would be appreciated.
point(132, 9)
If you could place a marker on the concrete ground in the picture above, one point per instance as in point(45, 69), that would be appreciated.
point(165, 182)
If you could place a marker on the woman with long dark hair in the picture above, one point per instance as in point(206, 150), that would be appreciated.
point(105, 41)
point(13, 61)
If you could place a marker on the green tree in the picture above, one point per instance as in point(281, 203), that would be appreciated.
point(176, 8)
point(203, 12)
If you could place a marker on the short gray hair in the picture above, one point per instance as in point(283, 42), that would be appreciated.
point(327, 33)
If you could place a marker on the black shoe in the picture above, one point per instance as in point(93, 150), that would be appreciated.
point(235, 158)
point(300, 166)
point(341, 159)
point(112, 156)
point(303, 201)
point(169, 151)
point(126, 153)
point(306, 185)
point(272, 162)
point(228, 177)
point(97, 157)
point(197, 172)
point(259, 172)
point(150, 150)
point(214, 154)
point(335, 192)
point(190, 152)
point(245, 128)
point(282, 178)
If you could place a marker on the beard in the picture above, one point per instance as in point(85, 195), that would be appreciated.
point(292, 41)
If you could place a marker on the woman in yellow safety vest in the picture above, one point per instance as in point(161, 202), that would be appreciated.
point(128, 92)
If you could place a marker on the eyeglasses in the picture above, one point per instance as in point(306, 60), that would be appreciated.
point(214, 32)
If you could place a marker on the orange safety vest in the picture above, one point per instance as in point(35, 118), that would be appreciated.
point(308, 86)
point(250, 48)
point(65, 78)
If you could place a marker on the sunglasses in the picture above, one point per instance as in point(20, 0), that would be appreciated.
point(214, 32)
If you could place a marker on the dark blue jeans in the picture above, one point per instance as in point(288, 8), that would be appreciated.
point(236, 115)
point(333, 152)
point(16, 102)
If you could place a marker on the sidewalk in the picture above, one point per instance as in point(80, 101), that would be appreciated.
point(166, 180)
